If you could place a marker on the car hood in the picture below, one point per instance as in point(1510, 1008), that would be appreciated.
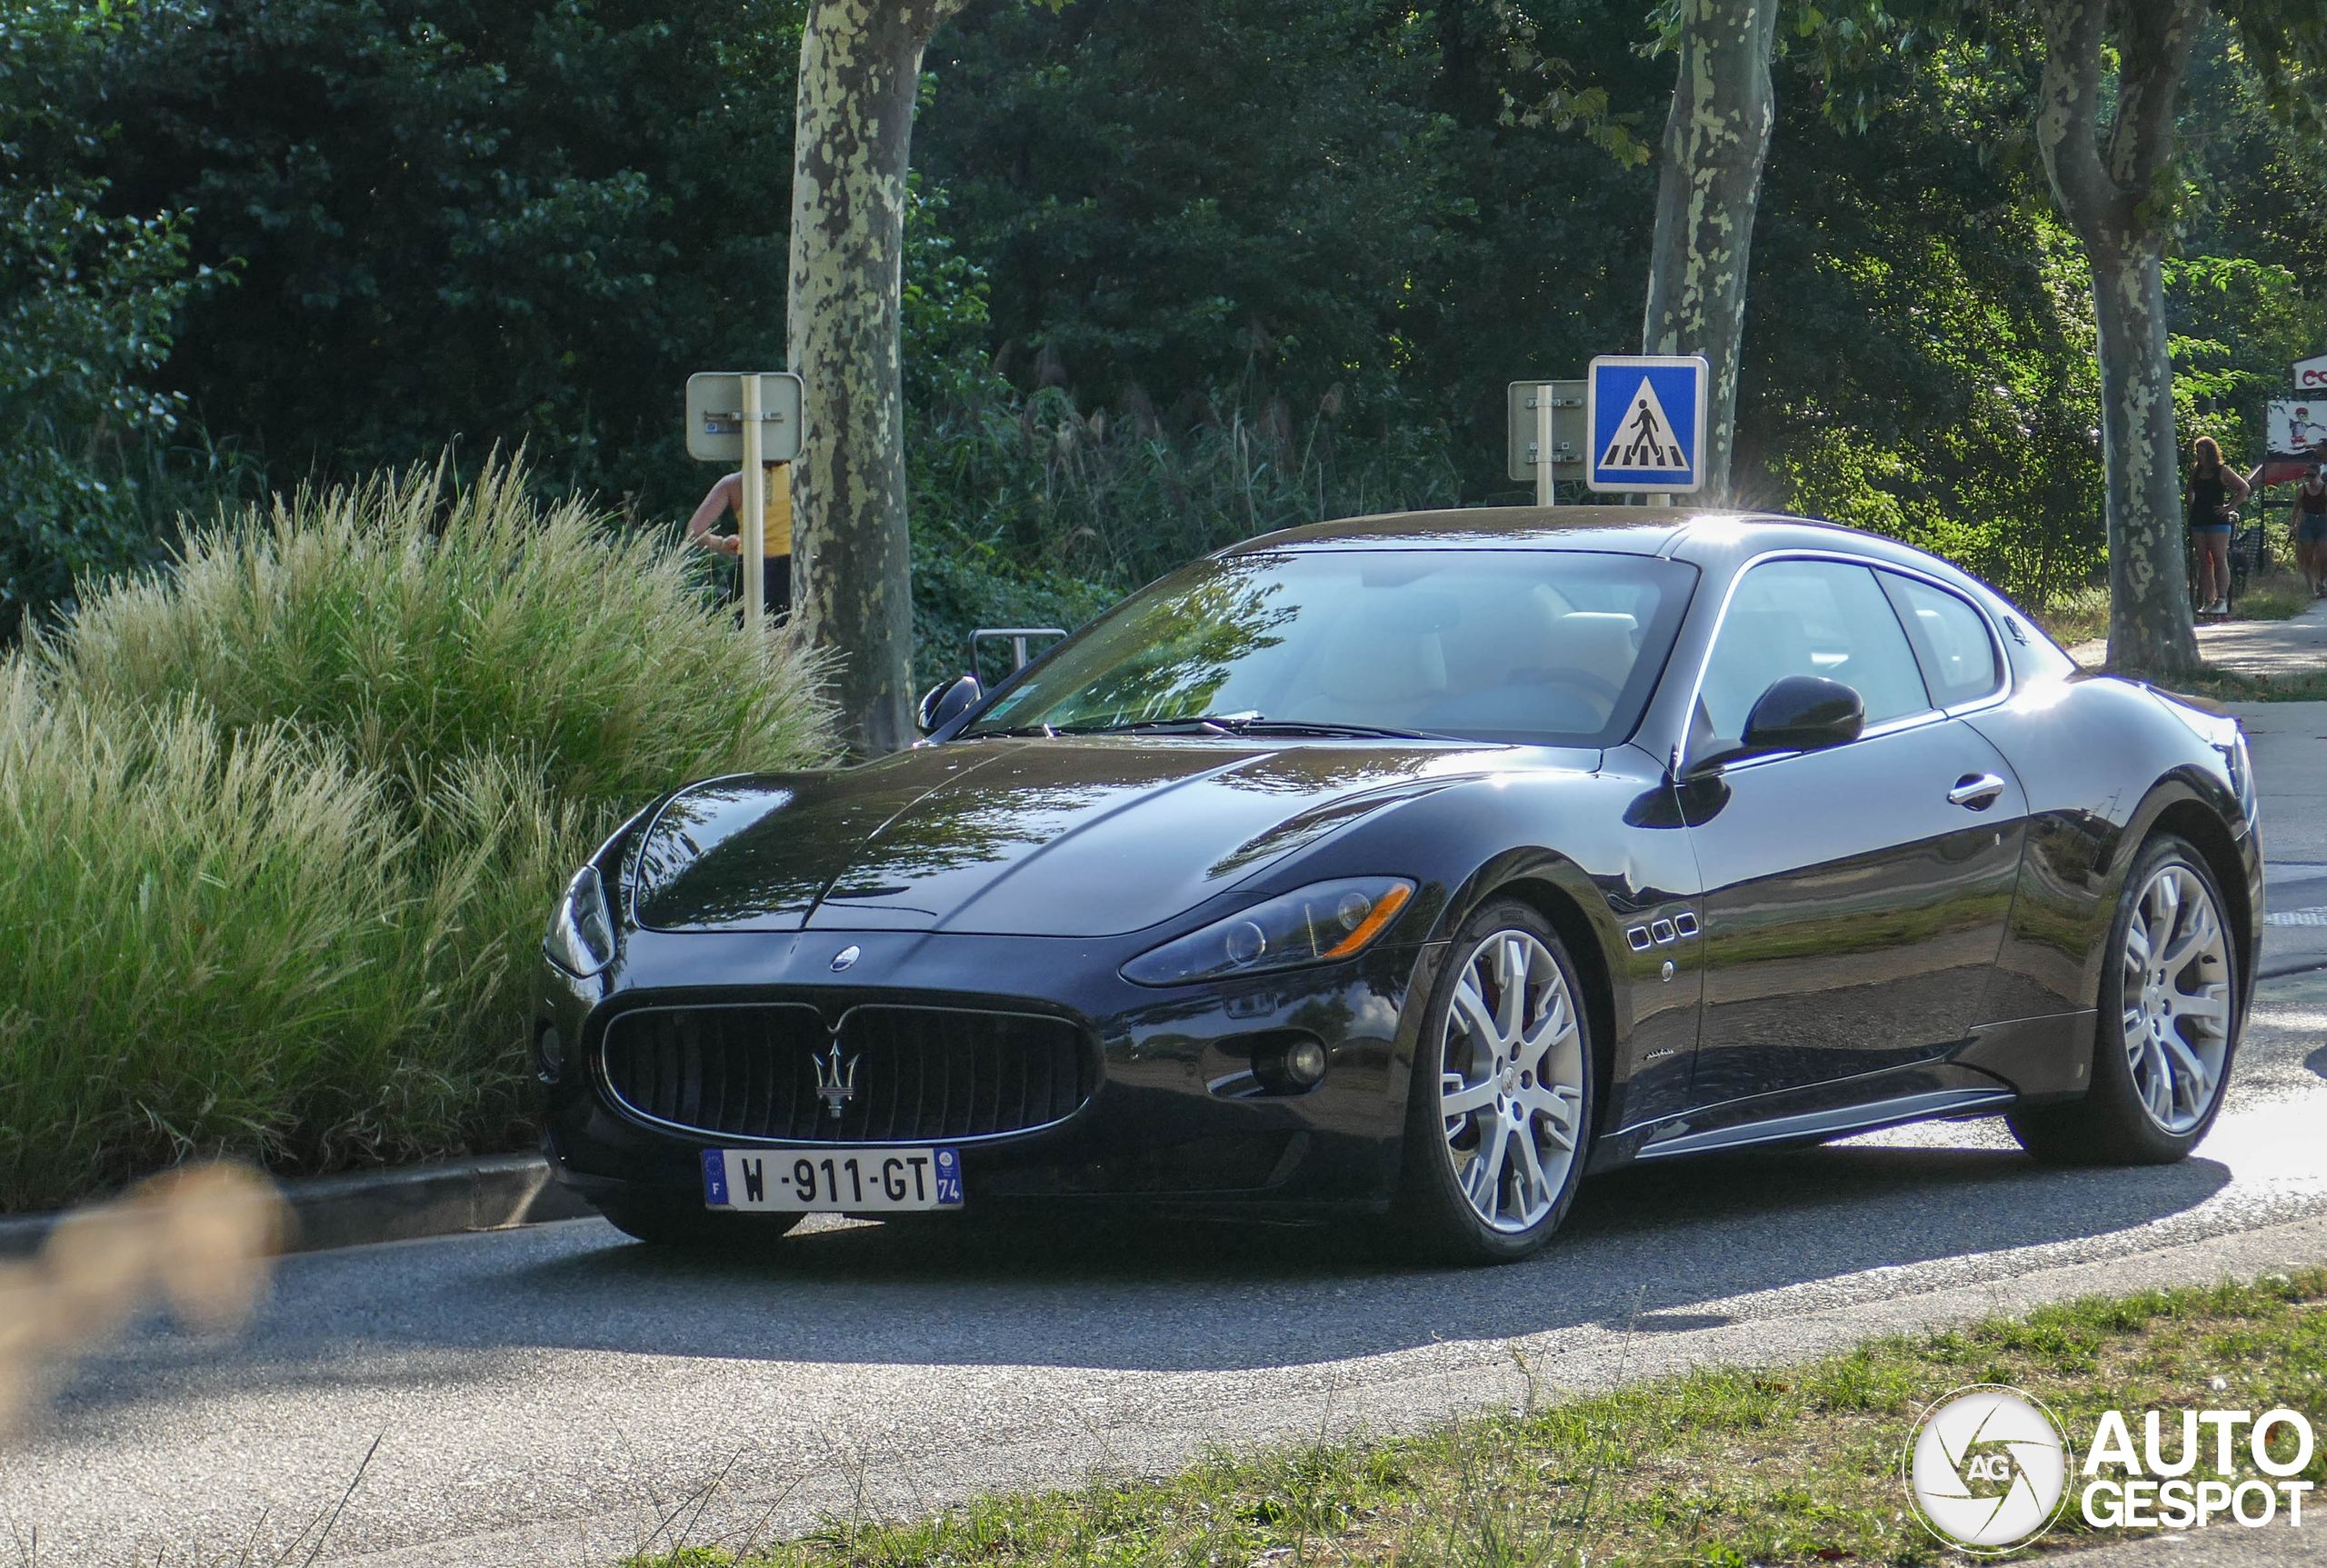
point(1084, 837)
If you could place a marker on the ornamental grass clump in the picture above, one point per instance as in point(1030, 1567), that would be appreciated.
point(419, 623)
point(206, 941)
point(279, 828)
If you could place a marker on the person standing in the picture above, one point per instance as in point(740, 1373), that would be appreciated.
point(2206, 502)
point(2311, 530)
point(775, 567)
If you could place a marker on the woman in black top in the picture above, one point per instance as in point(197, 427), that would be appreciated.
point(2211, 491)
point(2311, 530)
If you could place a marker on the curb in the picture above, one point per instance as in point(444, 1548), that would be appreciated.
point(405, 1203)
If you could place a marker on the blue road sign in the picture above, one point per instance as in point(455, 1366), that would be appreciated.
point(1646, 414)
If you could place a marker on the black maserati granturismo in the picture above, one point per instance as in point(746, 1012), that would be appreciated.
point(1410, 868)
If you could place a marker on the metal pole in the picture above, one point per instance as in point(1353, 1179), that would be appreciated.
point(753, 558)
point(1546, 492)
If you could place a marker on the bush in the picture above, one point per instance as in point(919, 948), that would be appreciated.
point(420, 625)
point(204, 942)
point(279, 828)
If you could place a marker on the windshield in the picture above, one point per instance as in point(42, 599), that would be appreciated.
point(1551, 647)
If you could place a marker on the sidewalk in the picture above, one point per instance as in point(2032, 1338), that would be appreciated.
point(2273, 648)
point(2289, 746)
point(2288, 741)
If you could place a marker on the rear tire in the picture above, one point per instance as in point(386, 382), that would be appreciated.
point(1500, 1112)
point(2168, 1028)
point(679, 1225)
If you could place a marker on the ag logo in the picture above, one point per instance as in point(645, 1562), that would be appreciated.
point(1987, 1469)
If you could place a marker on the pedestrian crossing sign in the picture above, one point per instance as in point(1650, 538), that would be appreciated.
point(1646, 414)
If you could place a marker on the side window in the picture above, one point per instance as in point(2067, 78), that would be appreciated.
point(1806, 618)
point(1958, 655)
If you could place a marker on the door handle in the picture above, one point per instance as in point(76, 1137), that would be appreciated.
point(1976, 791)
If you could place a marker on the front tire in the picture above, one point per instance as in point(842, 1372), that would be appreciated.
point(2168, 1024)
point(1499, 1116)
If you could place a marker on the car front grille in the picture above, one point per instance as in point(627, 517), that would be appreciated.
point(894, 1075)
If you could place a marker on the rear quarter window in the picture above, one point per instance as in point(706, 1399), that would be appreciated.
point(1951, 638)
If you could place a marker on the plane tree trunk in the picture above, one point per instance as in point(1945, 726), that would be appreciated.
point(1715, 142)
point(860, 67)
point(2112, 191)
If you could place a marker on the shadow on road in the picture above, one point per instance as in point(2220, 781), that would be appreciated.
point(1648, 1245)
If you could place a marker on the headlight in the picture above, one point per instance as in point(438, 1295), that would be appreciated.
point(580, 937)
point(2242, 774)
point(1321, 923)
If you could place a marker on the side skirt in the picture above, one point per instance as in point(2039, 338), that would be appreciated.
point(1921, 1092)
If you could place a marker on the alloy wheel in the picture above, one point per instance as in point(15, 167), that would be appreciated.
point(2176, 994)
point(1510, 1081)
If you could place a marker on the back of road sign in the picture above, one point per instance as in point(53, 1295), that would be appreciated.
point(716, 417)
point(1519, 425)
point(1645, 416)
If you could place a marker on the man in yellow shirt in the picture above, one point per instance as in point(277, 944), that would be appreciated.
point(727, 495)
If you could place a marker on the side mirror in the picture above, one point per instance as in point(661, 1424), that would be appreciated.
point(942, 705)
point(1803, 714)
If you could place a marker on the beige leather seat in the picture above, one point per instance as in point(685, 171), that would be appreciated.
point(1597, 643)
point(1368, 674)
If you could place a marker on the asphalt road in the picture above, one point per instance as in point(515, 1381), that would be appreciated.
point(551, 1396)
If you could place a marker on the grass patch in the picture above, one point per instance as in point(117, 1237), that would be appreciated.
point(2278, 597)
point(1722, 1467)
point(2222, 686)
point(279, 825)
point(2077, 617)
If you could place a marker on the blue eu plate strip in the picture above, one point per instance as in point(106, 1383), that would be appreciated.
point(715, 1176)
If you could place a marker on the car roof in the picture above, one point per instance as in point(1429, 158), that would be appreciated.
point(1626, 530)
point(1710, 539)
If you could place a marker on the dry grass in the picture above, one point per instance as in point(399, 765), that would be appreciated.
point(2077, 617)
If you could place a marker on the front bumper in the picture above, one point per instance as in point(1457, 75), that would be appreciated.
point(1173, 1124)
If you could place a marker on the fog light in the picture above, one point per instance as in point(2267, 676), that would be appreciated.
point(1287, 1061)
point(551, 1051)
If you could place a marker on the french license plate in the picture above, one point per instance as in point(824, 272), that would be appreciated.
point(832, 1181)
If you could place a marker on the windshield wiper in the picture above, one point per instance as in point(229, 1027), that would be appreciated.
point(1254, 724)
point(1151, 726)
point(1306, 728)
point(1016, 731)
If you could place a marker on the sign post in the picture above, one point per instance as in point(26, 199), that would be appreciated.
point(1646, 416)
point(752, 549)
point(1546, 486)
point(749, 419)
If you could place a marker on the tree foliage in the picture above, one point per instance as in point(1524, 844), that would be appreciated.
point(1182, 272)
point(500, 218)
point(88, 302)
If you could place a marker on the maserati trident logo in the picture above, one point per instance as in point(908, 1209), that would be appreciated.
point(836, 1080)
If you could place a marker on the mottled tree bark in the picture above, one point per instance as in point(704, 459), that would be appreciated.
point(1716, 140)
point(860, 65)
point(2110, 192)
